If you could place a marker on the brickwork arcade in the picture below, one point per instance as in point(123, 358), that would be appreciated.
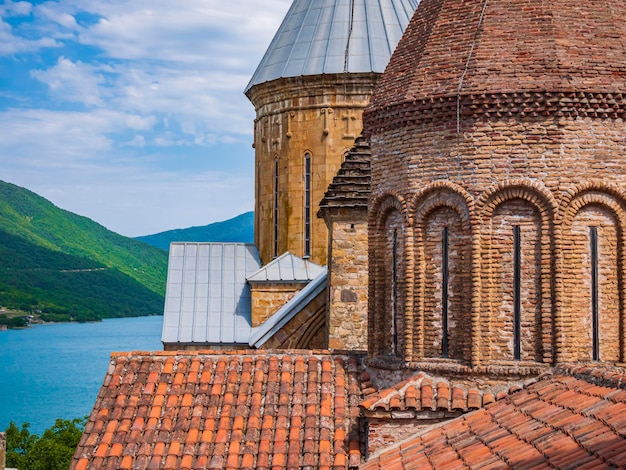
point(496, 220)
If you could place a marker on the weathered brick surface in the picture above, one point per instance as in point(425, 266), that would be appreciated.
point(320, 115)
point(382, 433)
point(487, 119)
point(510, 46)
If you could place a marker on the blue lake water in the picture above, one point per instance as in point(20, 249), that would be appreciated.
point(56, 370)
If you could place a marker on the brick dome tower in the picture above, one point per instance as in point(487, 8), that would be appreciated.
point(309, 92)
point(497, 217)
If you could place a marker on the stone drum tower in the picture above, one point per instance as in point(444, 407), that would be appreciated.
point(497, 217)
point(309, 92)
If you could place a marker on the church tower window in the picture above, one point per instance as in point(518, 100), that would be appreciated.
point(307, 205)
point(275, 209)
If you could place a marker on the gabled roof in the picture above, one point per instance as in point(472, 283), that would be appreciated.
point(350, 187)
point(574, 418)
point(334, 36)
point(287, 268)
point(207, 300)
point(262, 333)
point(424, 392)
point(212, 410)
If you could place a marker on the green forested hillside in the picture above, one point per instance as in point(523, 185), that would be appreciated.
point(66, 263)
point(65, 287)
point(237, 229)
point(33, 218)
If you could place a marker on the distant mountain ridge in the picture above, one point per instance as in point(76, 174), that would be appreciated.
point(62, 263)
point(238, 229)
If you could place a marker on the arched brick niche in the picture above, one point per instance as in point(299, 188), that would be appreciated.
point(389, 232)
point(442, 292)
point(516, 227)
point(591, 320)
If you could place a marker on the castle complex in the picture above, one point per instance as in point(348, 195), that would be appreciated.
point(471, 312)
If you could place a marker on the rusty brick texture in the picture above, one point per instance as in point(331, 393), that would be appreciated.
point(500, 121)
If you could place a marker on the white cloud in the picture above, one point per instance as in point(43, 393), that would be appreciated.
point(72, 81)
point(10, 8)
point(12, 44)
point(145, 126)
point(62, 137)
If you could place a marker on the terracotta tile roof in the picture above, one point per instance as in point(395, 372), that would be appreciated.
point(574, 418)
point(424, 392)
point(224, 410)
point(351, 185)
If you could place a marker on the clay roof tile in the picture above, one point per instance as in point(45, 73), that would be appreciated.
point(530, 428)
point(223, 410)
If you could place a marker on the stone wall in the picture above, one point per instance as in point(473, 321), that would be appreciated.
point(268, 297)
point(317, 115)
point(348, 271)
point(3, 451)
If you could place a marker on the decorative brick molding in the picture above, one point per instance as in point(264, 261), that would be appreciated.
point(521, 104)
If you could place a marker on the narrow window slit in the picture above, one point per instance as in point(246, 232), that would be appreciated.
point(307, 206)
point(394, 293)
point(595, 324)
point(445, 278)
point(517, 294)
point(275, 208)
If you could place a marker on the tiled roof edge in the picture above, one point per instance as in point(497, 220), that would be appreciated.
point(233, 352)
point(606, 375)
point(263, 332)
point(457, 395)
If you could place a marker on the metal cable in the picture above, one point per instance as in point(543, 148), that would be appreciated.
point(467, 62)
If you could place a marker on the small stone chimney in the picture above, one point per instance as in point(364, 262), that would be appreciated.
point(344, 209)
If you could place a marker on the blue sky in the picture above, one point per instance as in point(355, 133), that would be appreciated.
point(131, 112)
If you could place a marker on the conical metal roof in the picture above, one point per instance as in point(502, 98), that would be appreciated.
point(334, 36)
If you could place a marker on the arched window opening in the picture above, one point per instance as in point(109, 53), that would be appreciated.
point(592, 255)
point(515, 260)
point(275, 208)
point(443, 252)
point(307, 205)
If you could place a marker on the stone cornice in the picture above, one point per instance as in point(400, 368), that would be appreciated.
point(568, 104)
point(306, 87)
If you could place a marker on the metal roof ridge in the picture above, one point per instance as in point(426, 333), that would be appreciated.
point(285, 261)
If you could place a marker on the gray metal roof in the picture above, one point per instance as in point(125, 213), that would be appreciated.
point(287, 268)
point(207, 299)
point(262, 333)
point(334, 36)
